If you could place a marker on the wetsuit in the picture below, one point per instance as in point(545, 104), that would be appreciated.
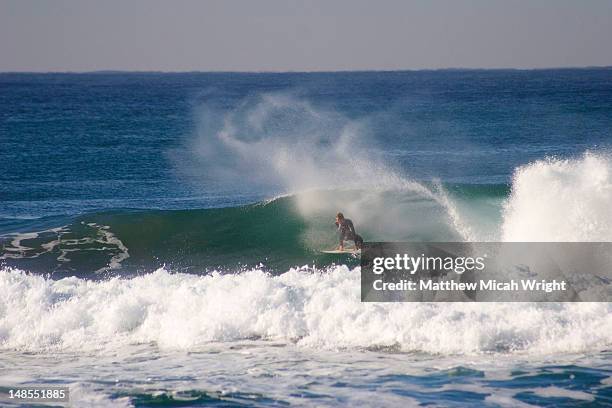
point(346, 230)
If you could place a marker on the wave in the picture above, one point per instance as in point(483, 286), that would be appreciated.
point(282, 140)
point(241, 279)
point(561, 200)
point(279, 233)
point(304, 306)
point(324, 162)
point(548, 200)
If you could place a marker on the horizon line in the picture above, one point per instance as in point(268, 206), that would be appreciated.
point(119, 71)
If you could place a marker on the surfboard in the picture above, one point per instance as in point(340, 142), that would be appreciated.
point(344, 251)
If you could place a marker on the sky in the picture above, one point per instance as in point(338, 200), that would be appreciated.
point(308, 35)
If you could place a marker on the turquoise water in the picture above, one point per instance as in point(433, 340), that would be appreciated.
point(160, 234)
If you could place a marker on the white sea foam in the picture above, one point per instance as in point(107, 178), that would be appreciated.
point(561, 200)
point(553, 391)
point(302, 306)
point(54, 242)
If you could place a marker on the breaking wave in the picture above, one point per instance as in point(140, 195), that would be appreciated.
point(303, 306)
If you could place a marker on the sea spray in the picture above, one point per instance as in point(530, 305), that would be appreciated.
point(327, 161)
point(561, 200)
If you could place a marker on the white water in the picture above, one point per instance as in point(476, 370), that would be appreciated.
point(305, 307)
point(54, 241)
point(561, 200)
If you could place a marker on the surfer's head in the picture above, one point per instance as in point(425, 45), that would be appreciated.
point(339, 216)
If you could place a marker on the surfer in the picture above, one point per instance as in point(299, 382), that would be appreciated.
point(346, 230)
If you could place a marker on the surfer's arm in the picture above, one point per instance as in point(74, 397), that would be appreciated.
point(351, 227)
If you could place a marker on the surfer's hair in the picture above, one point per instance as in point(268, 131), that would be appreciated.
point(340, 216)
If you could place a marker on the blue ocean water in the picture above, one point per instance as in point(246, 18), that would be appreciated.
point(166, 227)
point(78, 142)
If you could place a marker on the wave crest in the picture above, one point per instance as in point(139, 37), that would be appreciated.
point(561, 200)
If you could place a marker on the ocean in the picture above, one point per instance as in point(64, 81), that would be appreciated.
point(160, 235)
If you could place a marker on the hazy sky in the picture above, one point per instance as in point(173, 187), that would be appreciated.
point(281, 35)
